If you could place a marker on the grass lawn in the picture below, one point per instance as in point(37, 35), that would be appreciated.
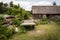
point(41, 32)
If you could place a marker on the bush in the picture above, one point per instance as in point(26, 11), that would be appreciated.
point(22, 29)
point(1, 20)
point(44, 21)
point(57, 21)
point(5, 33)
point(16, 22)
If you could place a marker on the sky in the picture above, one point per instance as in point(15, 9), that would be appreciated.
point(27, 4)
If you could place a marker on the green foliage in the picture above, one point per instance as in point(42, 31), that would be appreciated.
point(2, 32)
point(16, 22)
point(1, 20)
point(11, 4)
point(44, 21)
point(15, 10)
point(15, 6)
point(26, 16)
point(5, 33)
point(22, 29)
point(1, 3)
point(3, 8)
point(57, 21)
point(46, 32)
point(5, 5)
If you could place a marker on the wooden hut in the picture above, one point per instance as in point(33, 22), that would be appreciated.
point(50, 11)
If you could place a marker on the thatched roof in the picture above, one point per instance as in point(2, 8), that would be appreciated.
point(46, 9)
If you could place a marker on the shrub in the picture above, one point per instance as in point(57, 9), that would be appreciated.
point(16, 22)
point(44, 21)
point(5, 33)
point(57, 21)
point(22, 29)
point(1, 20)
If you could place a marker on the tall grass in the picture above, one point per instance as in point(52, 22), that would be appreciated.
point(50, 32)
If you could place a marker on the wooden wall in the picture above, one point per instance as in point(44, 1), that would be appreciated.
point(39, 16)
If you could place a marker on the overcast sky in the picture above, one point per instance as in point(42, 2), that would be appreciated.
point(27, 4)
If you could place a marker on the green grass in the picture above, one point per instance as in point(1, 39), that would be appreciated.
point(41, 32)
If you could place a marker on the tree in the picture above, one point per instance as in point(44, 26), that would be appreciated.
point(25, 16)
point(1, 4)
point(9, 12)
point(18, 5)
point(5, 5)
point(15, 6)
point(54, 3)
point(11, 4)
point(1, 8)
